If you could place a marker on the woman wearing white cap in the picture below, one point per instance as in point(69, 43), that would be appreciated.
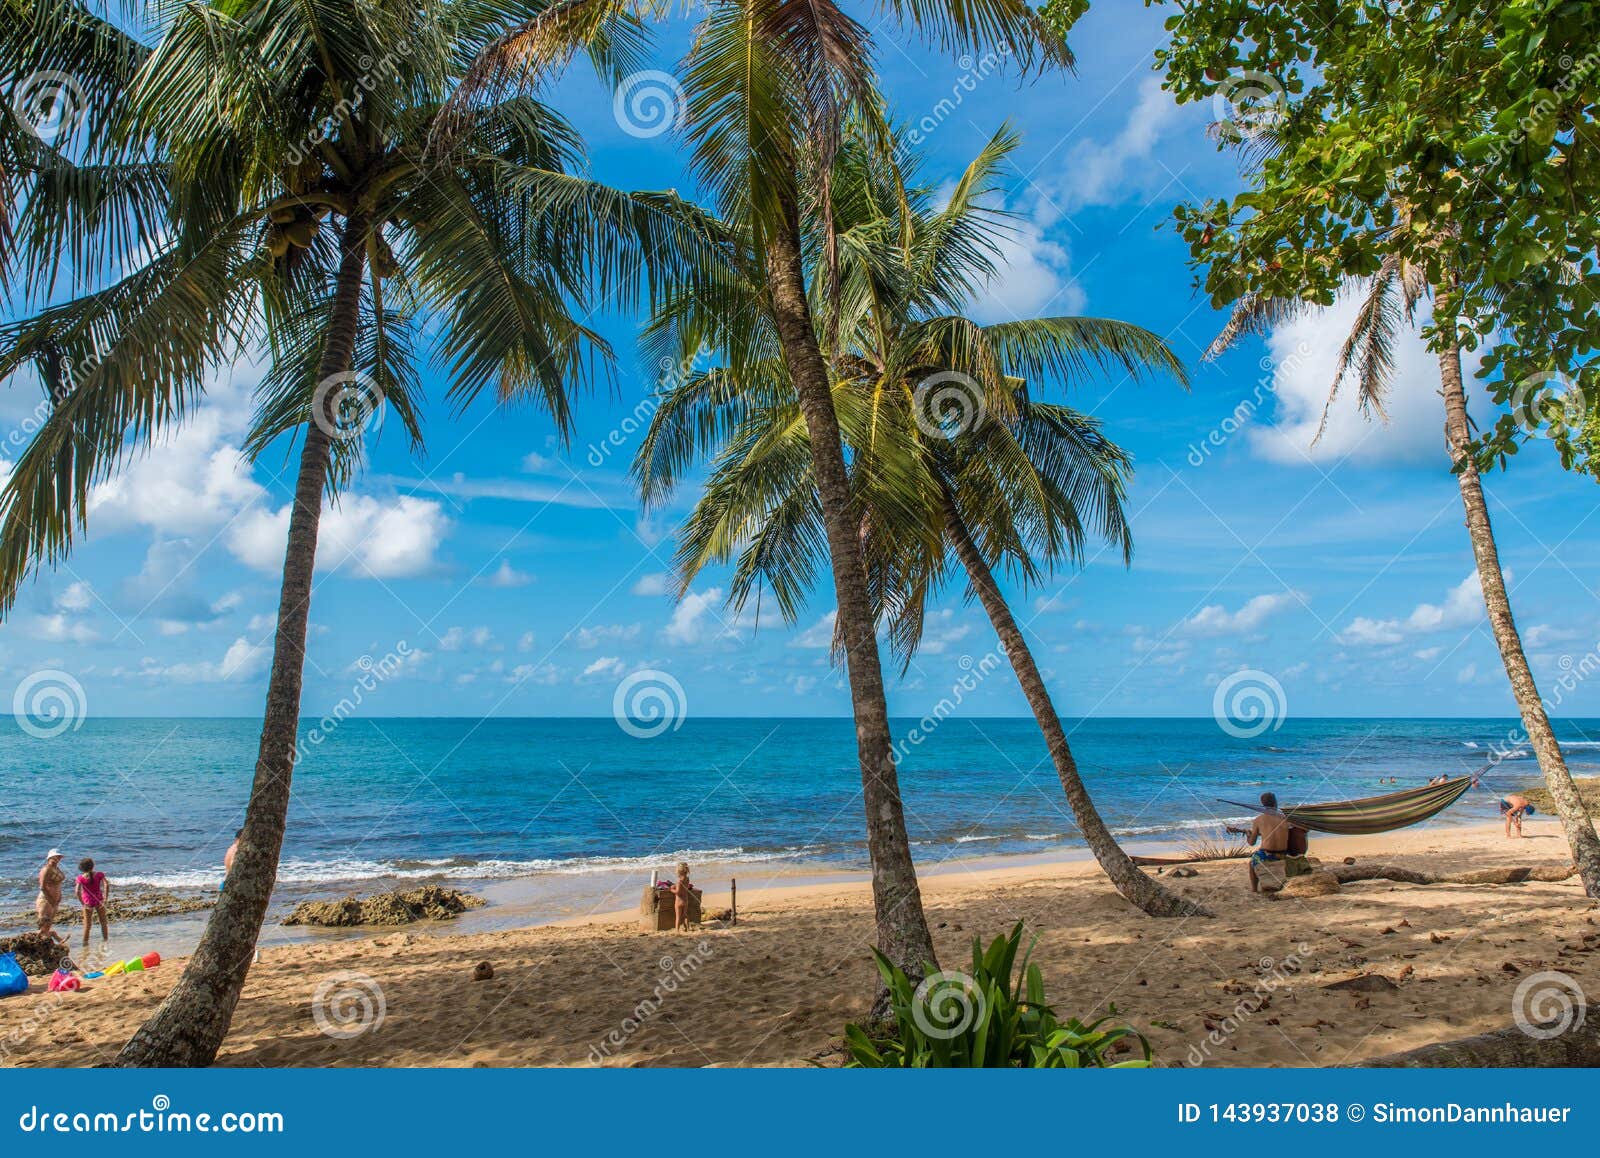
point(51, 878)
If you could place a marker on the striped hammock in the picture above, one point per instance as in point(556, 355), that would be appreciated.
point(1376, 813)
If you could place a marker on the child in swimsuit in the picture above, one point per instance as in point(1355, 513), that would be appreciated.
point(682, 894)
point(94, 890)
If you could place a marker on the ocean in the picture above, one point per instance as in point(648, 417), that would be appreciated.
point(383, 801)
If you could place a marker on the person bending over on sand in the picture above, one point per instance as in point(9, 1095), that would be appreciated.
point(682, 894)
point(1271, 828)
point(94, 890)
point(48, 903)
point(1515, 806)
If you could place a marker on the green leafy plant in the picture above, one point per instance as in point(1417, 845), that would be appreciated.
point(994, 1017)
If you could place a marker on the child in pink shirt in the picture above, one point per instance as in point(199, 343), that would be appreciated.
point(93, 890)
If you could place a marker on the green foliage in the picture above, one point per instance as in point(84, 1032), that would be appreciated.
point(1457, 138)
point(995, 1017)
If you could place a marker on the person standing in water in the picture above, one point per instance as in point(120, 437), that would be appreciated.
point(94, 890)
point(48, 904)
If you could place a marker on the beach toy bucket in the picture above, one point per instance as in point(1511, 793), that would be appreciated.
point(63, 982)
point(151, 960)
point(113, 970)
point(133, 965)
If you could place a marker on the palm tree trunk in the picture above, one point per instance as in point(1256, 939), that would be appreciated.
point(188, 1028)
point(1132, 883)
point(897, 901)
point(1574, 817)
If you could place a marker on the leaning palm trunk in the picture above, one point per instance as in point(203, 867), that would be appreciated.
point(897, 901)
point(1133, 884)
point(188, 1028)
point(1569, 807)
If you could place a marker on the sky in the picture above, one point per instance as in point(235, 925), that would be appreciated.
point(505, 575)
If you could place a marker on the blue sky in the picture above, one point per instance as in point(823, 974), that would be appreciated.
point(520, 579)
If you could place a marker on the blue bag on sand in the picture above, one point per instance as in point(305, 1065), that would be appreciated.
point(12, 979)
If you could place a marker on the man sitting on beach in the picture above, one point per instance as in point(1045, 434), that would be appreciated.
point(1271, 828)
point(1515, 806)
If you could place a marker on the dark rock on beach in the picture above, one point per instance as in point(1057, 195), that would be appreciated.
point(429, 903)
point(38, 954)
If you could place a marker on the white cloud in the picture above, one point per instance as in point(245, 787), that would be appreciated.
point(458, 638)
point(78, 596)
point(819, 634)
point(687, 625)
point(592, 637)
point(1305, 354)
point(61, 628)
point(508, 576)
point(1218, 620)
point(1467, 674)
point(655, 583)
point(242, 658)
point(1033, 278)
point(527, 673)
point(939, 632)
point(192, 479)
point(525, 643)
point(362, 537)
point(1111, 172)
point(1462, 607)
point(606, 667)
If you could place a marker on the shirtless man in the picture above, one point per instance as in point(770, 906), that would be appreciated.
point(1271, 828)
point(1515, 806)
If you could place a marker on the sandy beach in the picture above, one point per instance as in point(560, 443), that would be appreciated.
point(779, 987)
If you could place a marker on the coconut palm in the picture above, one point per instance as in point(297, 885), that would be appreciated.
point(1390, 300)
point(310, 208)
point(938, 480)
point(768, 85)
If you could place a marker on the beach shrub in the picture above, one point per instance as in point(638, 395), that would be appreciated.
point(994, 1017)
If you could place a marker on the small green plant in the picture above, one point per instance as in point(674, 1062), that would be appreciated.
point(955, 1020)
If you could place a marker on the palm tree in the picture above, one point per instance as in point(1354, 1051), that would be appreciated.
point(1389, 299)
point(1025, 487)
point(768, 85)
point(307, 203)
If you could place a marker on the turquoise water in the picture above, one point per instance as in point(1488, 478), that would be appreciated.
point(157, 801)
